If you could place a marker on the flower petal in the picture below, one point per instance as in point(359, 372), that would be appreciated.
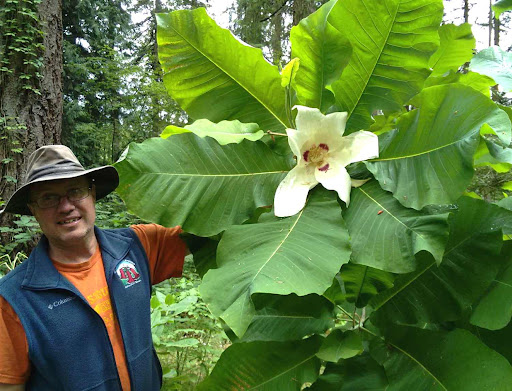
point(296, 141)
point(314, 127)
point(356, 147)
point(336, 178)
point(293, 190)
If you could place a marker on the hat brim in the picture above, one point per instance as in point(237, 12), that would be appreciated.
point(106, 180)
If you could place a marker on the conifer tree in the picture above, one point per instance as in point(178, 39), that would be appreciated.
point(30, 86)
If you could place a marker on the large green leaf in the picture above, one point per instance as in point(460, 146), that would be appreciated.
point(506, 203)
point(424, 360)
point(496, 63)
point(430, 161)
point(493, 155)
point(323, 51)
point(360, 373)
point(456, 48)
point(506, 109)
point(479, 82)
point(437, 294)
point(300, 254)
point(291, 317)
point(213, 75)
point(497, 340)
point(494, 310)
point(341, 345)
point(336, 292)
point(225, 132)
point(501, 6)
point(392, 41)
point(204, 252)
point(265, 366)
point(363, 282)
point(198, 184)
point(386, 236)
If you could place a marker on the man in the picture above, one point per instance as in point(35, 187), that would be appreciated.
point(75, 315)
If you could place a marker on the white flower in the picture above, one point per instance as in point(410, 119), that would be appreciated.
point(322, 154)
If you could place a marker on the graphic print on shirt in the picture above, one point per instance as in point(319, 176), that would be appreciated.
point(127, 273)
point(100, 301)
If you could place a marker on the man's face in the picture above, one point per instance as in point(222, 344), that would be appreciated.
point(69, 222)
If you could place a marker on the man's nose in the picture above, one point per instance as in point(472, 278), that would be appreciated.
point(65, 204)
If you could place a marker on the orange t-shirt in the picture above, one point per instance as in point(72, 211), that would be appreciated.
point(165, 251)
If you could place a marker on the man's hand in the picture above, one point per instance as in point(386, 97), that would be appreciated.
point(12, 387)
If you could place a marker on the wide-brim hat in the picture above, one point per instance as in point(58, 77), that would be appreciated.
point(53, 162)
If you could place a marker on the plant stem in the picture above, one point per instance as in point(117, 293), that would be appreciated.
point(353, 317)
point(276, 134)
point(346, 313)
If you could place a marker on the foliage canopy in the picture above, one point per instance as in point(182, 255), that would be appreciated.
point(396, 291)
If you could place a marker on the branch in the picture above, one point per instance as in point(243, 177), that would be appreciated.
point(275, 12)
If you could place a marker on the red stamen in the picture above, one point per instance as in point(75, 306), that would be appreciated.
point(324, 168)
point(305, 155)
point(324, 146)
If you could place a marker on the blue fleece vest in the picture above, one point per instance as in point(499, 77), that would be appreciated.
point(69, 347)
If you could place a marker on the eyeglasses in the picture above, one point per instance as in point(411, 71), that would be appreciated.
point(73, 195)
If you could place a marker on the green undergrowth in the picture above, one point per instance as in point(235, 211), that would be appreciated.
point(188, 340)
point(111, 213)
point(16, 241)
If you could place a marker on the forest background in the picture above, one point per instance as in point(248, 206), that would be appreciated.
point(98, 87)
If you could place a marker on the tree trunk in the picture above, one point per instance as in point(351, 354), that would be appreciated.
point(490, 23)
point(115, 142)
point(275, 40)
point(497, 26)
point(301, 9)
point(30, 105)
point(157, 73)
point(466, 11)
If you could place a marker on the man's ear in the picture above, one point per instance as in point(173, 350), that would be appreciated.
point(32, 210)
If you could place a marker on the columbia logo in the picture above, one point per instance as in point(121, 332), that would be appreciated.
point(56, 303)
